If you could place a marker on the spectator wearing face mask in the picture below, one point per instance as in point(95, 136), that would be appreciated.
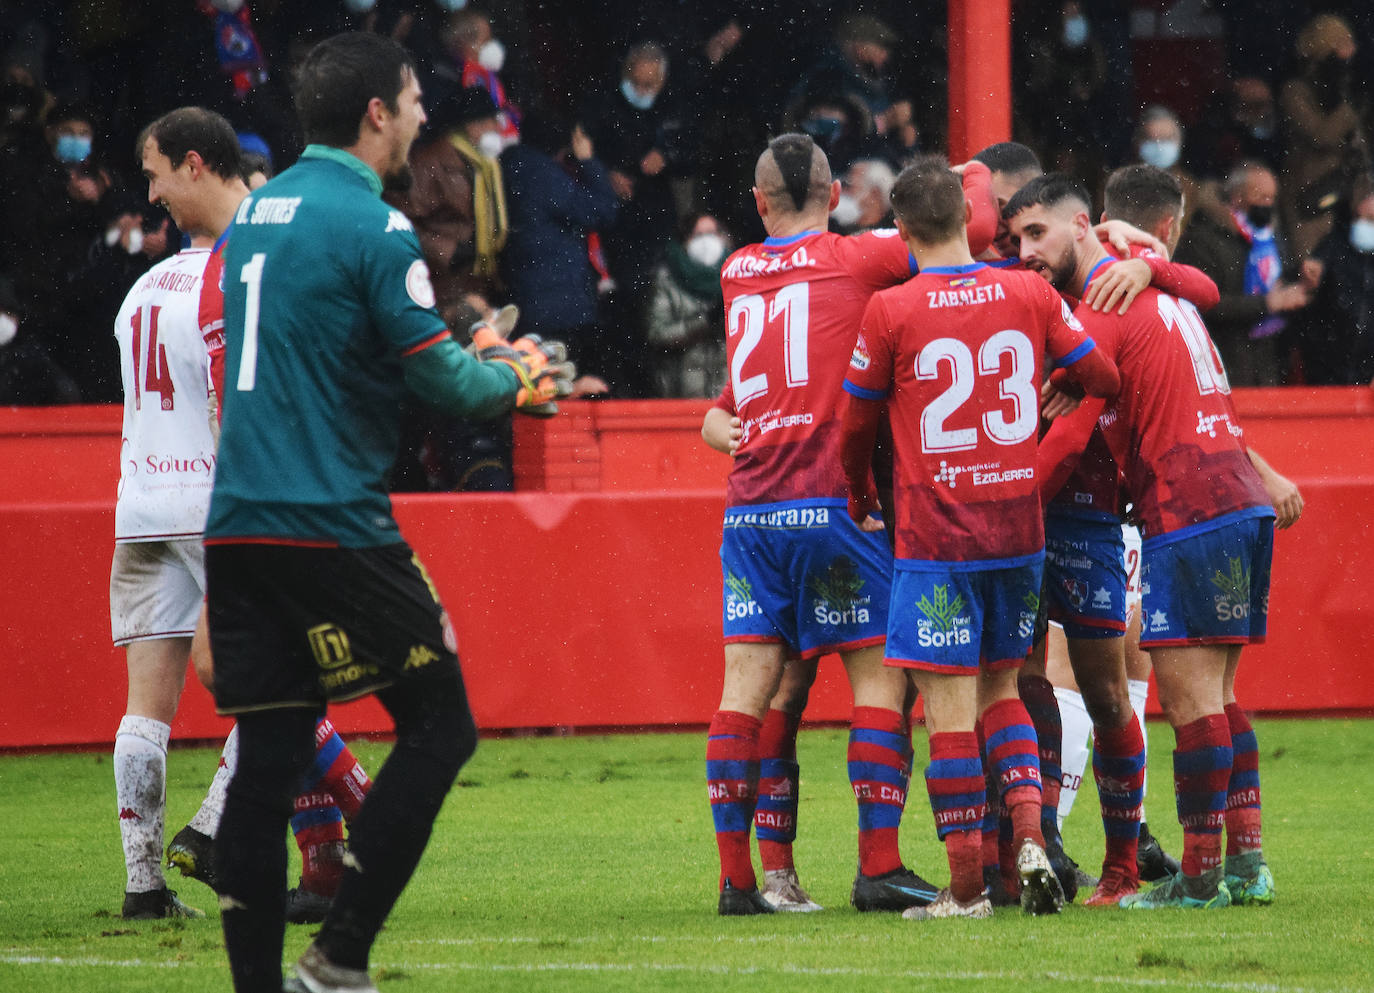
point(1325, 146)
point(686, 324)
point(645, 137)
point(1159, 142)
point(468, 54)
point(1235, 243)
point(865, 197)
point(1337, 330)
point(457, 198)
point(1240, 124)
point(1066, 68)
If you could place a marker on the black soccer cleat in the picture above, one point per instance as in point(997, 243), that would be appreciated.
point(995, 888)
point(741, 903)
point(305, 906)
point(155, 905)
point(1152, 862)
point(194, 854)
point(895, 890)
point(1065, 868)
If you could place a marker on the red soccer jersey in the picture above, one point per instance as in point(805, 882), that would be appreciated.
point(211, 317)
point(1173, 428)
point(792, 314)
point(957, 353)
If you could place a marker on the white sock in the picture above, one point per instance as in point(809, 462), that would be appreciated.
point(140, 771)
point(1139, 689)
point(211, 809)
point(1074, 747)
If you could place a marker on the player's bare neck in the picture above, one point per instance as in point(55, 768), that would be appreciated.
point(790, 225)
point(942, 254)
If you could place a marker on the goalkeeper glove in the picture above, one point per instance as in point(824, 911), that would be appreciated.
point(541, 366)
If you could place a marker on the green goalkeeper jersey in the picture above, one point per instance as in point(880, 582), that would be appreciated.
point(327, 308)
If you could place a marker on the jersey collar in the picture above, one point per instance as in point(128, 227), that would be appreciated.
point(780, 242)
point(954, 270)
point(345, 159)
point(1093, 272)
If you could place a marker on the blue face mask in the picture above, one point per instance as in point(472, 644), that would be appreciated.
point(73, 148)
point(825, 131)
point(1075, 31)
point(637, 100)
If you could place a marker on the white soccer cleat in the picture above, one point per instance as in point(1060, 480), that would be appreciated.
point(944, 905)
point(784, 893)
point(1040, 889)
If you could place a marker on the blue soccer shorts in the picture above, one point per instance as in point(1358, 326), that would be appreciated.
point(1208, 584)
point(803, 574)
point(1085, 575)
point(951, 616)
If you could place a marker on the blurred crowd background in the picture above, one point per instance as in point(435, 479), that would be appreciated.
point(591, 163)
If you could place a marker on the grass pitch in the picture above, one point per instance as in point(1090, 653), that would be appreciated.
point(587, 864)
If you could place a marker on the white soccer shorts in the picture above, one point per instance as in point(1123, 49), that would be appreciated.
point(156, 589)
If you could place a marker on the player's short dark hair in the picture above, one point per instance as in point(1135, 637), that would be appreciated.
point(1142, 195)
point(1010, 157)
point(195, 129)
point(1049, 190)
point(340, 76)
point(793, 153)
point(928, 198)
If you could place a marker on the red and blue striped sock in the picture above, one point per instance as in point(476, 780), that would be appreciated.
point(1119, 769)
point(318, 826)
point(954, 781)
point(775, 817)
point(1243, 791)
point(1014, 757)
point(879, 768)
point(337, 770)
point(732, 780)
point(993, 808)
point(1037, 694)
point(1202, 771)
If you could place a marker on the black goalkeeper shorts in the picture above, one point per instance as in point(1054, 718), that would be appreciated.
point(293, 626)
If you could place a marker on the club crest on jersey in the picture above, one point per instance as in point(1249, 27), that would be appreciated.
point(418, 286)
point(943, 625)
point(860, 359)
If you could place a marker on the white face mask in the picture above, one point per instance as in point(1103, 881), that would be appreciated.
point(359, 6)
point(9, 327)
point(1362, 235)
point(491, 143)
point(846, 212)
point(1160, 154)
point(706, 249)
point(227, 6)
point(640, 101)
point(449, 6)
point(492, 56)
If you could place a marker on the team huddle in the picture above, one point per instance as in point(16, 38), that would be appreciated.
point(996, 378)
point(903, 458)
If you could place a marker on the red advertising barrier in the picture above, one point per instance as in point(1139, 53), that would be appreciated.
point(602, 609)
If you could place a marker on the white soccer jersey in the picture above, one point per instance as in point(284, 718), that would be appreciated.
point(167, 457)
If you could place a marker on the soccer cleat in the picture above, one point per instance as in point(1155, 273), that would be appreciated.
point(1041, 892)
point(784, 892)
point(305, 906)
point(1116, 883)
point(194, 854)
point(155, 905)
point(316, 974)
point(1249, 880)
point(741, 903)
point(1065, 868)
point(995, 888)
point(944, 905)
point(896, 890)
point(1205, 892)
point(1153, 863)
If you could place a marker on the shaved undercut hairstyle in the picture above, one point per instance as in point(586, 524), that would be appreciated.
point(1142, 195)
point(793, 173)
point(1049, 190)
point(928, 198)
point(194, 129)
point(338, 79)
point(1010, 157)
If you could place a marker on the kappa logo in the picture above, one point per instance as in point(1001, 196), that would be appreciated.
point(129, 814)
point(420, 656)
point(397, 221)
point(782, 788)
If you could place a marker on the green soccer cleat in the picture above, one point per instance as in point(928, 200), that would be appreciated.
point(1205, 892)
point(1249, 880)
